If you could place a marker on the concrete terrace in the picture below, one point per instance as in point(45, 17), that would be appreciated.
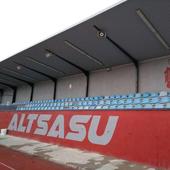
point(74, 158)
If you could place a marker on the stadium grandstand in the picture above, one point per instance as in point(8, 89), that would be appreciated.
point(113, 69)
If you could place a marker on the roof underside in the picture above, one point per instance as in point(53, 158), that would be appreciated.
point(81, 47)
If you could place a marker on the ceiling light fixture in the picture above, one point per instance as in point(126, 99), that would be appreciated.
point(108, 69)
point(101, 34)
point(151, 27)
point(48, 55)
point(18, 67)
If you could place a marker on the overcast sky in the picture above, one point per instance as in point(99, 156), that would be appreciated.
point(24, 23)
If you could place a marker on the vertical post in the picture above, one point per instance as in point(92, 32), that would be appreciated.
point(87, 86)
point(55, 89)
point(14, 95)
point(137, 76)
point(32, 92)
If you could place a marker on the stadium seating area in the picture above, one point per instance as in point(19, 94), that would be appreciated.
point(160, 100)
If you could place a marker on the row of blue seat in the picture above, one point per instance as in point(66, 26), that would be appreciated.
point(128, 96)
point(164, 102)
point(153, 100)
point(139, 101)
point(103, 107)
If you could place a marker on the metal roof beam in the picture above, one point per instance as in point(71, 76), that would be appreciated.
point(24, 81)
point(14, 72)
point(101, 34)
point(14, 88)
point(27, 82)
point(85, 72)
point(36, 71)
point(152, 28)
point(67, 61)
point(8, 85)
point(76, 48)
point(117, 45)
point(44, 65)
point(41, 73)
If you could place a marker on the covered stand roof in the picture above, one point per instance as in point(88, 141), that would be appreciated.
point(134, 30)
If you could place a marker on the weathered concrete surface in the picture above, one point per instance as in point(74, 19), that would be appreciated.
point(81, 160)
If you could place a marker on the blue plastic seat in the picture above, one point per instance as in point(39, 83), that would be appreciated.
point(146, 94)
point(92, 107)
point(118, 96)
point(105, 107)
point(129, 106)
point(145, 100)
point(148, 106)
point(99, 107)
point(61, 107)
point(91, 98)
point(66, 104)
point(107, 102)
point(84, 103)
point(113, 97)
point(167, 105)
point(80, 103)
point(114, 102)
point(87, 98)
point(137, 101)
point(101, 102)
point(138, 95)
point(106, 97)
point(124, 97)
point(154, 94)
point(89, 103)
point(80, 107)
point(129, 101)
point(113, 107)
point(160, 106)
point(121, 101)
point(98, 98)
point(165, 100)
point(56, 108)
point(132, 95)
point(95, 102)
point(121, 106)
point(70, 103)
point(86, 107)
point(154, 100)
point(138, 106)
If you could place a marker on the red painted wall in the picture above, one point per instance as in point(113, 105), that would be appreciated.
point(141, 136)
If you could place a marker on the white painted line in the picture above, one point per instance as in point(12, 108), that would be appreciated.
point(9, 167)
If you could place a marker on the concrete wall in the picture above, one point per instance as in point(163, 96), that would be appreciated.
point(122, 79)
point(7, 96)
point(23, 93)
point(72, 86)
point(43, 90)
point(152, 77)
point(118, 80)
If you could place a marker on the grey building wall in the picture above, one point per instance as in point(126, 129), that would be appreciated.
point(43, 90)
point(72, 86)
point(152, 77)
point(119, 80)
point(23, 93)
point(7, 96)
